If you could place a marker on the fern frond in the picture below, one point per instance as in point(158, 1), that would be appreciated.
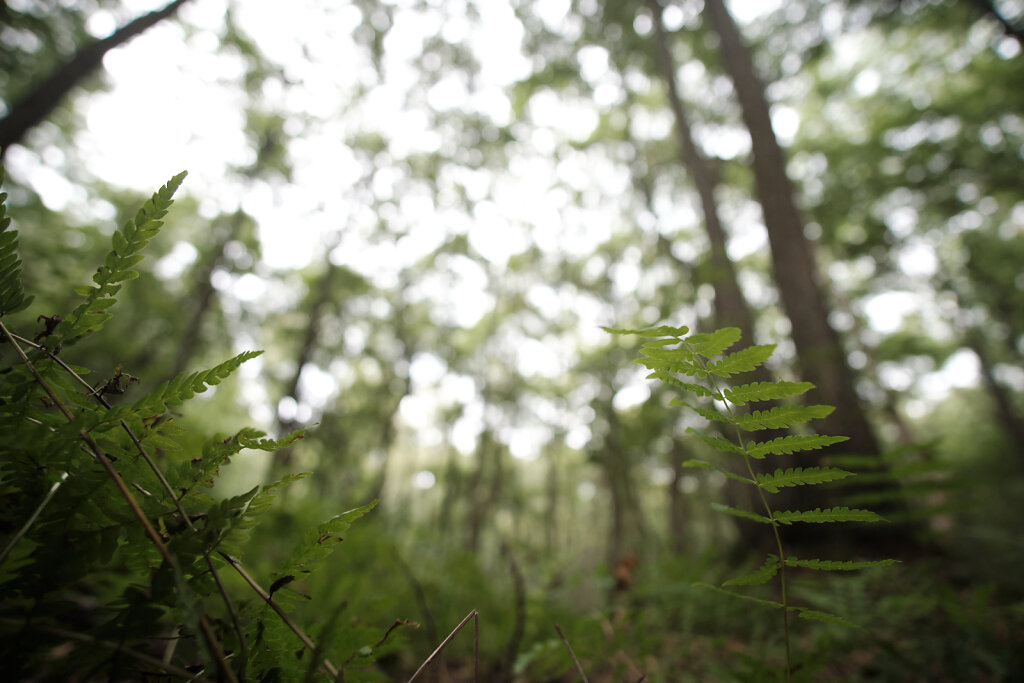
point(712, 344)
point(700, 464)
point(764, 574)
point(742, 361)
point(800, 476)
point(183, 387)
point(819, 516)
point(766, 391)
point(661, 331)
point(780, 417)
point(738, 512)
point(236, 516)
point(837, 566)
point(318, 543)
point(716, 442)
point(126, 243)
point(786, 445)
point(12, 296)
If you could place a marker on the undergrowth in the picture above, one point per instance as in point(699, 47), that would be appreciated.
point(117, 560)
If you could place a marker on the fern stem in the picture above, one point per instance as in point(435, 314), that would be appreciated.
point(767, 507)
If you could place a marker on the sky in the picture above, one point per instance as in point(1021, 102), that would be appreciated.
point(174, 104)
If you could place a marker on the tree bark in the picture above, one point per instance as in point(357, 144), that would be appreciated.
point(203, 296)
point(820, 352)
point(731, 308)
point(37, 105)
point(1006, 414)
point(309, 342)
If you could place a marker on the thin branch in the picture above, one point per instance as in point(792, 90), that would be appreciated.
point(472, 615)
point(572, 654)
point(37, 105)
point(306, 640)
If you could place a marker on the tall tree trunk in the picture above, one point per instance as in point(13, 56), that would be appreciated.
point(676, 503)
point(203, 296)
point(819, 349)
point(37, 105)
point(322, 297)
point(731, 308)
point(1006, 414)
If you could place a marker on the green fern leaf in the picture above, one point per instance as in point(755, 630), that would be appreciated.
point(706, 413)
point(252, 439)
point(745, 514)
point(713, 343)
point(741, 361)
point(318, 543)
point(825, 617)
point(676, 364)
point(800, 476)
point(780, 417)
point(758, 601)
point(183, 387)
point(698, 389)
point(12, 296)
point(700, 464)
point(661, 331)
point(766, 391)
point(760, 576)
point(785, 445)
point(716, 442)
point(819, 516)
point(836, 566)
point(236, 516)
point(90, 315)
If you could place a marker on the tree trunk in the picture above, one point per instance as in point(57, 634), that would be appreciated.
point(203, 295)
point(731, 308)
point(312, 333)
point(1006, 414)
point(820, 352)
point(37, 105)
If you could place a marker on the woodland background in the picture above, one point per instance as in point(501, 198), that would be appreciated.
point(423, 211)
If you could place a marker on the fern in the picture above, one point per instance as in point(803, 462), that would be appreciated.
point(668, 352)
point(112, 506)
point(126, 244)
point(12, 296)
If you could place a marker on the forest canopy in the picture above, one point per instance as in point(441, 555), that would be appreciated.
point(428, 216)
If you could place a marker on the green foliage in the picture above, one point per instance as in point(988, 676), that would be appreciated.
point(113, 543)
point(12, 297)
point(704, 356)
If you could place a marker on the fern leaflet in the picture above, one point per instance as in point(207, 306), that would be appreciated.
point(834, 514)
point(799, 476)
point(787, 445)
point(766, 391)
point(12, 296)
